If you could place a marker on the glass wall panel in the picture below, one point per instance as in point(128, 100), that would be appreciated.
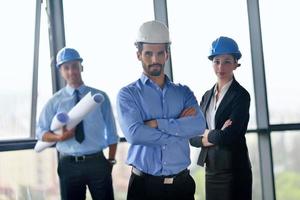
point(280, 36)
point(252, 143)
point(17, 36)
point(44, 77)
point(286, 148)
point(28, 175)
point(194, 25)
point(104, 33)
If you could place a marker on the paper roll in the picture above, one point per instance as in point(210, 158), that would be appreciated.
point(74, 116)
point(82, 108)
point(58, 121)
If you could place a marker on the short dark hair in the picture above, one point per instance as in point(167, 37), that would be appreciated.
point(139, 46)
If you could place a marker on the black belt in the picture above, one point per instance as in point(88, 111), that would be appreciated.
point(82, 158)
point(169, 179)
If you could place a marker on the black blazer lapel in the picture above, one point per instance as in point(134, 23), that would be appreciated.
point(204, 107)
point(207, 100)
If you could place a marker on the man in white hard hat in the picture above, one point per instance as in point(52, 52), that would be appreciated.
point(81, 160)
point(157, 118)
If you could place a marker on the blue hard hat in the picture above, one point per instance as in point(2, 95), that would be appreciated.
point(224, 45)
point(65, 55)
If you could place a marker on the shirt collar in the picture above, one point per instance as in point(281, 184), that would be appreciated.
point(224, 88)
point(146, 79)
point(70, 90)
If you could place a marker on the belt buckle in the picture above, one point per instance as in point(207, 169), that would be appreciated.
point(79, 158)
point(168, 181)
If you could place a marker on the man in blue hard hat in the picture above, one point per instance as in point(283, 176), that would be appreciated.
point(81, 161)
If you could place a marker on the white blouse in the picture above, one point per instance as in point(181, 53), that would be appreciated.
point(214, 104)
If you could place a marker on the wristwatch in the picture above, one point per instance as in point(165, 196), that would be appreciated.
point(112, 161)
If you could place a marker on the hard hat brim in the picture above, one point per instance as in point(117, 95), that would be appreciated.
point(65, 61)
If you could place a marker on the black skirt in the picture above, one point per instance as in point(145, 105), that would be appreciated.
point(228, 184)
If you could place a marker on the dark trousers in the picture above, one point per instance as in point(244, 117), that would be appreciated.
point(147, 187)
point(228, 185)
point(93, 171)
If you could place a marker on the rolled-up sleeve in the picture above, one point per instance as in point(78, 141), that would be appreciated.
point(44, 121)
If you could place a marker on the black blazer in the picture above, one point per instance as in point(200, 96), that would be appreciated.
point(230, 149)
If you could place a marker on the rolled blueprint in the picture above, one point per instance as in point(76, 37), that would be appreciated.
point(74, 116)
point(58, 121)
point(82, 108)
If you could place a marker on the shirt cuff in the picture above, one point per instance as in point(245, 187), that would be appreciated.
point(113, 141)
point(164, 125)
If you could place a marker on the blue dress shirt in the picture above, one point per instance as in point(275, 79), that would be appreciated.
point(163, 150)
point(99, 125)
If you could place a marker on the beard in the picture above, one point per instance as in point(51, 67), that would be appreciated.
point(154, 69)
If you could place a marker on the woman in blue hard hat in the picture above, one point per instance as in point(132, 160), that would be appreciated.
point(223, 145)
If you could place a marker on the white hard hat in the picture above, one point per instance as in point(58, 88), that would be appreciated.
point(153, 32)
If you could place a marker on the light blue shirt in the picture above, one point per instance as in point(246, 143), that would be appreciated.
point(163, 150)
point(99, 124)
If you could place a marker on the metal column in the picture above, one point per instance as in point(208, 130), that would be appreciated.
point(161, 14)
point(56, 38)
point(262, 114)
point(35, 67)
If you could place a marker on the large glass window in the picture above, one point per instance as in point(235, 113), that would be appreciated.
point(193, 26)
point(24, 174)
point(17, 42)
point(280, 36)
point(286, 148)
point(17, 36)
